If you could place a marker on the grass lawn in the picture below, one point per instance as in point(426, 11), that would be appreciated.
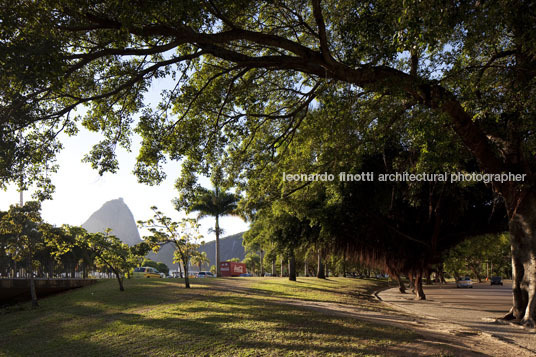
point(227, 317)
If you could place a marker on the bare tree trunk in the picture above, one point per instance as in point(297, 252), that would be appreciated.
point(282, 266)
point(401, 285)
point(180, 270)
point(51, 268)
point(33, 292)
point(186, 277)
point(273, 268)
point(262, 262)
point(441, 274)
point(291, 266)
point(321, 272)
point(306, 273)
point(522, 223)
point(218, 271)
point(419, 292)
point(476, 272)
point(344, 263)
point(119, 280)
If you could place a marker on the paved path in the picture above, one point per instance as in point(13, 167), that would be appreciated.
point(475, 309)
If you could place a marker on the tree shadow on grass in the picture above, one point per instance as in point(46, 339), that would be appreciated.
point(166, 320)
point(356, 297)
point(218, 326)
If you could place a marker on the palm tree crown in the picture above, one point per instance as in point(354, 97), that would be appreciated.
point(214, 203)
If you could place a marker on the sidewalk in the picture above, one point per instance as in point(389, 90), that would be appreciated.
point(472, 319)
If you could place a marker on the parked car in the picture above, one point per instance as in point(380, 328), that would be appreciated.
point(464, 282)
point(205, 274)
point(246, 274)
point(146, 272)
point(496, 280)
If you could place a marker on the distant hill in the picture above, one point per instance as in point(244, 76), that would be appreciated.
point(116, 215)
point(230, 247)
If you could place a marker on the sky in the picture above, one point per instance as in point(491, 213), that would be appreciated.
point(80, 190)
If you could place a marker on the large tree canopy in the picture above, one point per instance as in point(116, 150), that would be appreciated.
point(246, 74)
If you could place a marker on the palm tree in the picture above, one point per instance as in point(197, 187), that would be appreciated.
point(200, 259)
point(214, 204)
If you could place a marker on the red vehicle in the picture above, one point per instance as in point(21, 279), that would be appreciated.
point(232, 268)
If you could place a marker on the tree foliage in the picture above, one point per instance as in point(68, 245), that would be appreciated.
point(40, 246)
point(247, 76)
point(161, 267)
point(471, 256)
point(184, 234)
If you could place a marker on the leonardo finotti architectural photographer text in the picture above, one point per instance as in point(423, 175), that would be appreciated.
point(407, 177)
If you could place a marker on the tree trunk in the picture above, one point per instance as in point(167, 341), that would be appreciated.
point(344, 263)
point(218, 271)
point(119, 280)
point(180, 270)
point(273, 268)
point(401, 285)
point(428, 278)
point(186, 278)
point(477, 273)
point(419, 292)
point(282, 266)
point(291, 266)
point(51, 268)
point(306, 273)
point(33, 292)
point(441, 274)
point(522, 227)
point(321, 272)
point(262, 262)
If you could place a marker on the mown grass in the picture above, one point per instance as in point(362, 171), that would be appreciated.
point(340, 290)
point(227, 317)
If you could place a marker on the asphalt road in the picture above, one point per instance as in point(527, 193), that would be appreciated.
point(472, 308)
point(494, 299)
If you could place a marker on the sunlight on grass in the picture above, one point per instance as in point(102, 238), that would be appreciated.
point(215, 317)
point(340, 290)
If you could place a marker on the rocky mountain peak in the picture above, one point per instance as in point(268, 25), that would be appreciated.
point(115, 215)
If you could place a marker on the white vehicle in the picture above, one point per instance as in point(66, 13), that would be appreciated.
point(464, 283)
point(205, 274)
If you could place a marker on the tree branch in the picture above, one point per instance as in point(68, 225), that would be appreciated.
point(324, 47)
